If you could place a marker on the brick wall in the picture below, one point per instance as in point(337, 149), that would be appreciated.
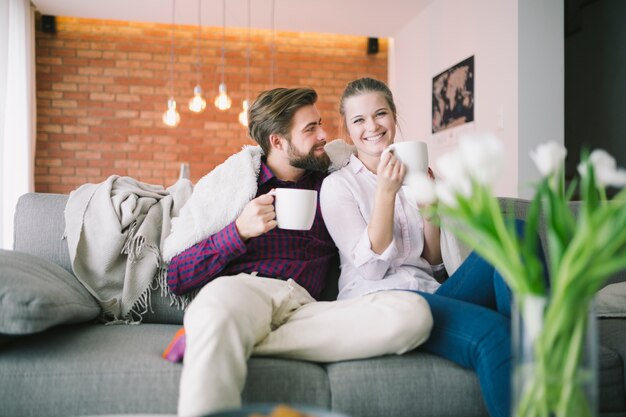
point(102, 87)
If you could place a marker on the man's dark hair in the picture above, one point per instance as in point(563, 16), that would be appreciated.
point(273, 111)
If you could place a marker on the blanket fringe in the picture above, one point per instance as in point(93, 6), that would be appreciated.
point(135, 244)
point(141, 307)
point(135, 315)
point(134, 247)
point(143, 304)
point(178, 301)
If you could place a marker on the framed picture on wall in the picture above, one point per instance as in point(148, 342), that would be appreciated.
point(453, 96)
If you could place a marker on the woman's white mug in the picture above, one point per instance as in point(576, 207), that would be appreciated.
point(295, 208)
point(413, 154)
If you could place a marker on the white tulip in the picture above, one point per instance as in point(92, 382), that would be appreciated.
point(422, 188)
point(549, 158)
point(482, 157)
point(452, 169)
point(446, 194)
point(454, 178)
point(477, 157)
point(605, 168)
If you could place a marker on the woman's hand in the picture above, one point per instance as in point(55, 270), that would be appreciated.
point(432, 234)
point(390, 174)
point(425, 207)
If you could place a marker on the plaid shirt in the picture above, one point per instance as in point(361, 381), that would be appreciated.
point(304, 256)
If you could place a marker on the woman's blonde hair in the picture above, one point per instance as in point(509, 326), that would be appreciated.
point(363, 86)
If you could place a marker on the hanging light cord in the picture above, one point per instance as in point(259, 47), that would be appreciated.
point(199, 36)
point(172, 49)
point(248, 56)
point(223, 37)
point(273, 52)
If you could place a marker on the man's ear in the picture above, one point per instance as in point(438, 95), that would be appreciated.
point(276, 141)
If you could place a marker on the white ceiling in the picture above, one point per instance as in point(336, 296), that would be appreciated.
point(373, 18)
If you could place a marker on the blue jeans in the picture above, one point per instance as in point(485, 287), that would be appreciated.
point(471, 312)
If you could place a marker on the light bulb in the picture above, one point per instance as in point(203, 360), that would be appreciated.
point(171, 117)
point(222, 101)
point(243, 116)
point(197, 104)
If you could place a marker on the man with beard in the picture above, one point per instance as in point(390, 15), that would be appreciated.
point(259, 283)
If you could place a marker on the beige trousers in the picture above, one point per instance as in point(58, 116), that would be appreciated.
point(235, 317)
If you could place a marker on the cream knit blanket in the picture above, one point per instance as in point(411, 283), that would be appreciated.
point(217, 199)
point(114, 236)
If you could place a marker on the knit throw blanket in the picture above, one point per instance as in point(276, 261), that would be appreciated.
point(217, 199)
point(114, 233)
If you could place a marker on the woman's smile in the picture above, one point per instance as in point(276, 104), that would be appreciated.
point(375, 138)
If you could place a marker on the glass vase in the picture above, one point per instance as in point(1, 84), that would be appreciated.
point(555, 358)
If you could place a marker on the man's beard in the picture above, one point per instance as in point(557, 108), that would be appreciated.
point(308, 161)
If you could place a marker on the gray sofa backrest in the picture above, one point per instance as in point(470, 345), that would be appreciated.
point(519, 207)
point(40, 227)
point(39, 230)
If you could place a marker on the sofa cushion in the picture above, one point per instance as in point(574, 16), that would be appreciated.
point(409, 382)
point(356, 385)
point(611, 382)
point(118, 369)
point(36, 294)
point(612, 364)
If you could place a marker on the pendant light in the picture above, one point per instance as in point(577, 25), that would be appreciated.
point(222, 101)
point(243, 116)
point(197, 104)
point(171, 117)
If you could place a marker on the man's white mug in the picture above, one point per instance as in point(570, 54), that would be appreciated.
point(295, 208)
point(413, 154)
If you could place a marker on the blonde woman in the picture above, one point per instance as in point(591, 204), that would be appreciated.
point(385, 243)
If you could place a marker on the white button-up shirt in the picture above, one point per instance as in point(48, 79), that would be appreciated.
point(347, 200)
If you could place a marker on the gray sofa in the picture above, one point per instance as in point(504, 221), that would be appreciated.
point(90, 368)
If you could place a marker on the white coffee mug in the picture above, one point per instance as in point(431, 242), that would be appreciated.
point(413, 154)
point(295, 208)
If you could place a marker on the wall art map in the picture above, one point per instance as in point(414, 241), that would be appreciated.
point(453, 96)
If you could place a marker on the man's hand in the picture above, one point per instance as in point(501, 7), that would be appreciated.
point(257, 217)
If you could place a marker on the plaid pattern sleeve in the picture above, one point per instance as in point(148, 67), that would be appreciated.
point(205, 260)
point(304, 256)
